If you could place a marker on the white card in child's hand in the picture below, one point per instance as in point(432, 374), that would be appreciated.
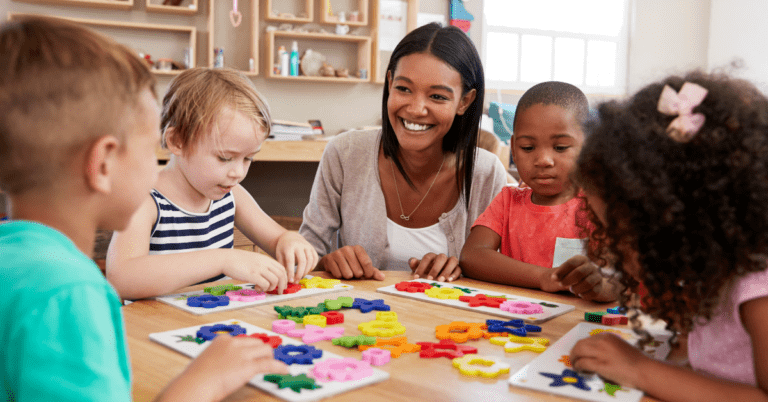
point(567, 248)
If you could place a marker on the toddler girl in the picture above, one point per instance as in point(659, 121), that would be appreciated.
point(213, 123)
point(677, 181)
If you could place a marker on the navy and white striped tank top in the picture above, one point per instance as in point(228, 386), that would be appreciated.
point(177, 230)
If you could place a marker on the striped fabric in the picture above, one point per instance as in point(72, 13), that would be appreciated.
point(178, 231)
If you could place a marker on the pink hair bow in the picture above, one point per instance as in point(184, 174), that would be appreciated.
point(671, 103)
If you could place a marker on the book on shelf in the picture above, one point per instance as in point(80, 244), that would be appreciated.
point(290, 131)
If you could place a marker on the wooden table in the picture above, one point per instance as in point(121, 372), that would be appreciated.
point(412, 378)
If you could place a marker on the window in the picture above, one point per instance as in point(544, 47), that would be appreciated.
point(582, 42)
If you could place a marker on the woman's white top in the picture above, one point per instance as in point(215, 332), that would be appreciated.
point(406, 243)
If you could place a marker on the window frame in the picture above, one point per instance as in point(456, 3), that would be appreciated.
point(622, 54)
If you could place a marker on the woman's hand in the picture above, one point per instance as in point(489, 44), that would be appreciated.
point(350, 262)
point(438, 266)
point(292, 249)
point(585, 280)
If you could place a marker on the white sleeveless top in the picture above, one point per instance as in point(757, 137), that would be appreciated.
point(406, 243)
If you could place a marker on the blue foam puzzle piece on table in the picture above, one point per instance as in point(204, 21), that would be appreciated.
point(366, 306)
point(207, 301)
point(617, 310)
point(209, 332)
point(305, 354)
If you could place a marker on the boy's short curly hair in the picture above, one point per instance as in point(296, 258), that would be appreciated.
point(62, 86)
point(562, 94)
point(196, 97)
point(696, 212)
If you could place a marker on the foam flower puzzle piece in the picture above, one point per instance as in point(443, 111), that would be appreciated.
point(444, 348)
point(595, 316)
point(313, 333)
point(286, 311)
point(366, 306)
point(291, 288)
point(207, 301)
point(459, 331)
point(352, 341)
point(566, 360)
point(381, 328)
point(397, 346)
point(568, 377)
point(190, 338)
point(386, 316)
point(316, 320)
point(614, 319)
point(482, 300)
point(377, 357)
point(221, 289)
point(617, 310)
point(346, 369)
point(412, 287)
point(246, 295)
point(611, 389)
point(481, 366)
point(208, 332)
point(338, 303)
point(333, 317)
point(616, 332)
point(296, 383)
point(283, 326)
point(273, 341)
point(304, 354)
point(318, 282)
point(521, 307)
point(513, 343)
point(516, 327)
point(444, 293)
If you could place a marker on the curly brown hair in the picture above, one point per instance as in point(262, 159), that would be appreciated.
point(695, 213)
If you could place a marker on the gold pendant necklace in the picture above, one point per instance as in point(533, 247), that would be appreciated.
point(403, 216)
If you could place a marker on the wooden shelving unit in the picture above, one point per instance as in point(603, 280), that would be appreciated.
point(270, 16)
point(362, 9)
point(158, 7)
point(188, 31)
point(113, 4)
point(363, 54)
point(252, 11)
point(413, 10)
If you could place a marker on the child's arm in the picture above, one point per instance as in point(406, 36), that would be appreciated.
point(136, 274)
point(616, 360)
point(585, 280)
point(481, 260)
point(207, 379)
point(289, 248)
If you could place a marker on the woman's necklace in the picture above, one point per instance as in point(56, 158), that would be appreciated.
point(402, 213)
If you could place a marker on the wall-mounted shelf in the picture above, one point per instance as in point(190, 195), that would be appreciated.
point(113, 4)
point(362, 43)
point(186, 34)
point(182, 9)
point(245, 36)
point(382, 56)
point(362, 9)
point(269, 12)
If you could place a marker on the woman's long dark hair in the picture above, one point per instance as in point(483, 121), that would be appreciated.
point(452, 46)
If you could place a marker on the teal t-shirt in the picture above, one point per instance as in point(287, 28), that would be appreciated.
point(61, 336)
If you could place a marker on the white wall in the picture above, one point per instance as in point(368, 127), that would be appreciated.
point(738, 33)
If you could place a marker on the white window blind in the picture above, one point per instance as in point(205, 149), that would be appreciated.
point(582, 42)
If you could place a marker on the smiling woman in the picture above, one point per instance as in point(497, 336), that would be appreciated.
point(404, 197)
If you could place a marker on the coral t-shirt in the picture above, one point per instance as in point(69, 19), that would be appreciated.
point(529, 231)
point(722, 347)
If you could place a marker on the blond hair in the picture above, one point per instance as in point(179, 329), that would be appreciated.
point(62, 86)
point(196, 97)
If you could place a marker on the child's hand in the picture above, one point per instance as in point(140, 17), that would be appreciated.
point(292, 249)
point(435, 266)
point(548, 282)
point(585, 280)
point(610, 357)
point(260, 269)
point(207, 379)
point(350, 262)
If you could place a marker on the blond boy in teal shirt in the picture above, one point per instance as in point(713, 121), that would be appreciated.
point(79, 124)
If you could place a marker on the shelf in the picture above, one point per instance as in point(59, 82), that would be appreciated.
point(180, 9)
point(113, 4)
point(321, 36)
point(308, 10)
point(222, 31)
point(279, 151)
point(188, 33)
point(351, 80)
point(379, 70)
point(362, 10)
